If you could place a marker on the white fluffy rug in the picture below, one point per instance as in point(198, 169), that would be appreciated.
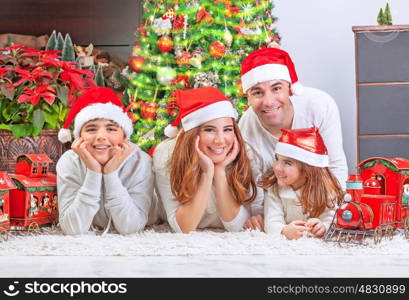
point(159, 241)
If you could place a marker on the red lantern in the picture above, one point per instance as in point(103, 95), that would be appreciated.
point(165, 44)
point(136, 63)
point(217, 50)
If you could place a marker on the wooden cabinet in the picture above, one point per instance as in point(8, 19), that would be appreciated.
point(382, 88)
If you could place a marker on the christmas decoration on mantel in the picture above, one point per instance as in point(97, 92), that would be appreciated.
point(384, 16)
point(185, 44)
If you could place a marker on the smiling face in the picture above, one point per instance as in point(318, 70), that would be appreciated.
point(102, 135)
point(288, 172)
point(216, 138)
point(271, 102)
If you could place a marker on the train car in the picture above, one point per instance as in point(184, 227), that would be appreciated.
point(34, 201)
point(376, 203)
point(6, 184)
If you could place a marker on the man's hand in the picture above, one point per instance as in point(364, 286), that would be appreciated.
point(294, 230)
point(79, 146)
point(255, 222)
point(119, 154)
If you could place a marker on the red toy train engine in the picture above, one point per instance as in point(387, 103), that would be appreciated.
point(377, 202)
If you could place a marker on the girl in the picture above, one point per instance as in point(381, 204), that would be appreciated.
point(302, 191)
point(203, 175)
point(104, 177)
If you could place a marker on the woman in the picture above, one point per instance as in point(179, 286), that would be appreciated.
point(203, 175)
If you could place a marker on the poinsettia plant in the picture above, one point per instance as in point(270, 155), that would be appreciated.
point(37, 88)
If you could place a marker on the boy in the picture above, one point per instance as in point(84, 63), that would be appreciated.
point(104, 178)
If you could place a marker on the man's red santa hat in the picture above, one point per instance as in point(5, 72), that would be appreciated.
point(96, 103)
point(269, 64)
point(198, 106)
point(305, 145)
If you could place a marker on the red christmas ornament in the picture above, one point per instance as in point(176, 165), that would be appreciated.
point(179, 22)
point(217, 50)
point(136, 63)
point(149, 110)
point(181, 81)
point(165, 44)
point(171, 106)
point(184, 58)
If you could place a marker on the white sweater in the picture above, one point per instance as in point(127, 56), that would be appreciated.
point(313, 108)
point(210, 219)
point(280, 212)
point(88, 198)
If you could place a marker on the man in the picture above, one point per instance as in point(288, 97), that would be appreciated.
point(277, 101)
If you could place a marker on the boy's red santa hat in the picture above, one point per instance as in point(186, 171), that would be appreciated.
point(96, 103)
point(305, 145)
point(269, 64)
point(198, 106)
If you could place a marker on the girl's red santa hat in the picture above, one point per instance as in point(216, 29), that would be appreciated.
point(305, 145)
point(269, 64)
point(198, 106)
point(95, 103)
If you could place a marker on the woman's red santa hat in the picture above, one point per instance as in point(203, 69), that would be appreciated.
point(305, 145)
point(269, 64)
point(95, 103)
point(198, 106)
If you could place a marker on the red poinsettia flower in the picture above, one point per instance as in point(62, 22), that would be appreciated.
point(33, 96)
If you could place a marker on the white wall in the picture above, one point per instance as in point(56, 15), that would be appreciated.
point(318, 35)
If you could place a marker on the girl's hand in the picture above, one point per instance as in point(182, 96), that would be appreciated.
point(231, 156)
point(118, 155)
point(255, 223)
point(316, 227)
point(294, 230)
point(79, 146)
point(206, 164)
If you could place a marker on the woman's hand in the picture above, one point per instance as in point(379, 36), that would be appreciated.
point(230, 157)
point(206, 164)
point(316, 227)
point(294, 230)
point(255, 223)
point(79, 146)
point(118, 155)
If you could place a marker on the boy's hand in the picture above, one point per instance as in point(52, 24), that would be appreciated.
point(118, 155)
point(316, 227)
point(79, 146)
point(294, 230)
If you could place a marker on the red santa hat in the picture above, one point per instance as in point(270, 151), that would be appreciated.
point(198, 106)
point(305, 145)
point(96, 103)
point(269, 64)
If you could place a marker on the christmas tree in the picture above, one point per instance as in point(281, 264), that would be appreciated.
point(189, 44)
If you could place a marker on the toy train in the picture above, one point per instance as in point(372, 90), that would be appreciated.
point(28, 198)
point(376, 203)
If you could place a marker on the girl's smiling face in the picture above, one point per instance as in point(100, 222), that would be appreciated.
point(288, 172)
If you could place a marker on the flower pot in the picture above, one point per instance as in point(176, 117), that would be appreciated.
point(46, 142)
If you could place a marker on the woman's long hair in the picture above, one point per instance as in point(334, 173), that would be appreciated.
point(320, 191)
point(185, 169)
